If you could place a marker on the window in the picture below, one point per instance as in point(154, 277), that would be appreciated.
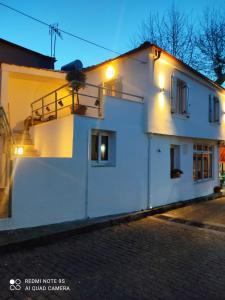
point(103, 147)
point(214, 109)
point(113, 88)
point(202, 161)
point(174, 160)
point(179, 96)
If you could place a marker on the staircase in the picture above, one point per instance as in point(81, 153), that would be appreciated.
point(23, 139)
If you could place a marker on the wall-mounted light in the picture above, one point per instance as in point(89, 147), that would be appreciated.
point(110, 72)
point(162, 90)
point(18, 150)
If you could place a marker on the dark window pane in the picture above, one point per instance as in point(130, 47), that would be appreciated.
point(171, 159)
point(104, 147)
point(94, 147)
point(194, 167)
point(206, 165)
point(199, 166)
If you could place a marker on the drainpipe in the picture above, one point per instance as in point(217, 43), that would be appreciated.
point(87, 177)
point(153, 58)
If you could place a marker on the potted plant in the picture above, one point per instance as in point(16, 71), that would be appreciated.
point(176, 173)
point(217, 189)
point(77, 80)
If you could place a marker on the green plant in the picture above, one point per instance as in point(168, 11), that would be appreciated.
point(176, 173)
point(77, 80)
point(217, 189)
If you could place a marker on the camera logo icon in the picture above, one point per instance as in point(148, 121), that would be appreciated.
point(15, 284)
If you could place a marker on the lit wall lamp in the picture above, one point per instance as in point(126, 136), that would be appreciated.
point(162, 90)
point(110, 72)
point(18, 150)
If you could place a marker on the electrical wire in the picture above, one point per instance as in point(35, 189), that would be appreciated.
point(66, 32)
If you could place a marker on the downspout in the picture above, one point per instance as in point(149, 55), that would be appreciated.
point(86, 179)
point(157, 55)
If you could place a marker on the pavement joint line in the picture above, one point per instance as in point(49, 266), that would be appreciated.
point(191, 223)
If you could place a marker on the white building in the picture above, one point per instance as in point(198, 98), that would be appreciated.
point(144, 116)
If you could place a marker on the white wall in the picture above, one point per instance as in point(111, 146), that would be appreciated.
point(51, 190)
point(54, 138)
point(163, 189)
point(160, 119)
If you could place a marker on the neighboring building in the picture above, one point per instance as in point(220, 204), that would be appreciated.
point(142, 118)
point(14, 54)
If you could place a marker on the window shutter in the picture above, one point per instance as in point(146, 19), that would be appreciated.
point(216, 109)
point(187, 97)
point(119, 88)
point(210, 108)
point(173, 93)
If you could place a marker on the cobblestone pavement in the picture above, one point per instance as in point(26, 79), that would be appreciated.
point(144, 259)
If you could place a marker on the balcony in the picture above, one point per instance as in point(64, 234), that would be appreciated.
point(65, 101)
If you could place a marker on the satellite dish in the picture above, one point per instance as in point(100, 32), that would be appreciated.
point(74, 65)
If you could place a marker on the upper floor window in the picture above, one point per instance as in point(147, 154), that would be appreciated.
point(179, 96)
point(113, 88)
point(214, 109)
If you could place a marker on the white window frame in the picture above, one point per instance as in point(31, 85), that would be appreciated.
point(111, 147)
point(113, 88)
point(198, 150)
point(176, 158)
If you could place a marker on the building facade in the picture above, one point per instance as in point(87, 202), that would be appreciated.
point(148, 134)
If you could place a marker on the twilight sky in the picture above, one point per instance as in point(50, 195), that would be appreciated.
point(111, 23)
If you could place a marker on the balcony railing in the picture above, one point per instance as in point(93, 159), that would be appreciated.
point(66, 100)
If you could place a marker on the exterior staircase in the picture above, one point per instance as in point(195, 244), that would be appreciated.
point(23, 139)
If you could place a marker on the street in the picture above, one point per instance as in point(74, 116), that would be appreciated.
point(146, 259)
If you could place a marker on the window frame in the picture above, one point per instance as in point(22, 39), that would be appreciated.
point(113, 88)
point(175, 161)
point(203, 151)
point(111, 148)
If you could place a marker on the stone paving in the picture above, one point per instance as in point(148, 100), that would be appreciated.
point(145, 259)
point(208, 212)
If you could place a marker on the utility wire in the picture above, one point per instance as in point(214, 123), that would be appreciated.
point(66, 32)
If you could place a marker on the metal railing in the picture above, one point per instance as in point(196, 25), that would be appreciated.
point(7, 147)
point(87, 102)
point(5, 127)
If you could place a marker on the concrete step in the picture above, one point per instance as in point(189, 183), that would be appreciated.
point(22, 139)
point(23, 142)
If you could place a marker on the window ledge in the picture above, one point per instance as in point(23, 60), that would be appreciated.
point(214, 124)
point(203, 180)
point(181, 116)
point(96, 164)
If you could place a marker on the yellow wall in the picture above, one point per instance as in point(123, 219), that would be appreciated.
point(55, 138)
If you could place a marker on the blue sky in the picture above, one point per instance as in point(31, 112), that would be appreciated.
point(111, 23)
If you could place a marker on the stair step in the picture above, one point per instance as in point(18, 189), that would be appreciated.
point(23, 142)
point(22, 139)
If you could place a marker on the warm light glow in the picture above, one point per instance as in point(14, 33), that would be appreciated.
point(18, 150)
point(161, 82)
point(110, 72)
point(102, 148)
point(161, 101)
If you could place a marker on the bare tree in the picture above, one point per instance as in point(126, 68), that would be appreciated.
point(172, 31)
point(211, 44)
